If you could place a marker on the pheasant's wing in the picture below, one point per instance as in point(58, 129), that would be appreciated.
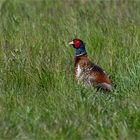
point(98, 77)
point(97, 69)
point(98, 74)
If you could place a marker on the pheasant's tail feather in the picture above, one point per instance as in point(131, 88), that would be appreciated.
point(105, 86)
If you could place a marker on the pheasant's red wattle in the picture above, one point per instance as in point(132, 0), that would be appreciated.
point(76, 44)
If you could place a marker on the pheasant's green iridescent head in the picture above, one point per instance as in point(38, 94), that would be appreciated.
point(79, 45)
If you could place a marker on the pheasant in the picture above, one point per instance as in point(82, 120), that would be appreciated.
point(87, 72)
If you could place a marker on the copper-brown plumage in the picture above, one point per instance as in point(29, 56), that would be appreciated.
point(87, 72)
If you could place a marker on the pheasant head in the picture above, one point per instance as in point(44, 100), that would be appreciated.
point(79, 45)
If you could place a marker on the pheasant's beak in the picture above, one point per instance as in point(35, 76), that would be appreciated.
point(71, 43)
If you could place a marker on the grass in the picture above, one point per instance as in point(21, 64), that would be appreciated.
point(39, 98)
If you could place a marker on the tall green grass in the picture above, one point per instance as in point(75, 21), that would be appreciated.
point(39, 98)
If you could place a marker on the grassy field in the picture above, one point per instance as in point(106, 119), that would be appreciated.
point(39, 98)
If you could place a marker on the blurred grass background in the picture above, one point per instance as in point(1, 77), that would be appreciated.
point(39, 98)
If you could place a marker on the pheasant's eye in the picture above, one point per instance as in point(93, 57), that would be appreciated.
point(77, 43)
